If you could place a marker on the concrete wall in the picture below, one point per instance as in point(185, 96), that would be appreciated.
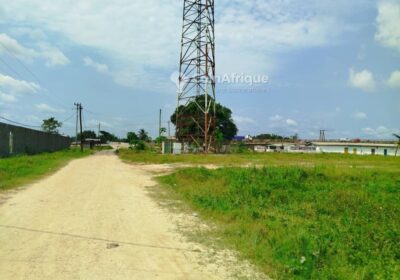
point(16, 140)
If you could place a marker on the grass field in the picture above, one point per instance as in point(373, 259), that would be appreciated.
point(19, 170)
point(301, 223)
point(261, 159)
point(299, 216)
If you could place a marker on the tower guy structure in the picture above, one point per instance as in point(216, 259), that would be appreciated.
point(196, 114)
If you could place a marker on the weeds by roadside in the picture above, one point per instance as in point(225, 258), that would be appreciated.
point(386, 164)
point(19, 170)
point(301, 223)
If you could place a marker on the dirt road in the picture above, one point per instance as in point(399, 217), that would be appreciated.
point(94, 219)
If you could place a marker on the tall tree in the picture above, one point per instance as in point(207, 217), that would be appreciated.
point(51, 125)
point(132, 137)
point(107, 137)
point(224, 121)
point(144, 135)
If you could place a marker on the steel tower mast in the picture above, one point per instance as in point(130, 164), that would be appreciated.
point(197, 75)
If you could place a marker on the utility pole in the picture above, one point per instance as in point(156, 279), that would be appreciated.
point(80, 121)
point(99, 131)
point(169, 129)
point(76, 125)
point(159, 124)
point(79, 112)
point(322, 137)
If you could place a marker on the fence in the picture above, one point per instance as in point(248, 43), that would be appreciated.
point(16, 140)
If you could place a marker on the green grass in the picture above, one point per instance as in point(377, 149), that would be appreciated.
point(270, 159)
point(19, 170)
point(320, 222)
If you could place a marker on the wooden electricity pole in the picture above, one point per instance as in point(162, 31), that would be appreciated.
point(80, 121)
point(79, 113)
point(76, 125)
point(159, 124)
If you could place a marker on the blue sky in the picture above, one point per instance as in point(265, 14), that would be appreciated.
point(332, 65)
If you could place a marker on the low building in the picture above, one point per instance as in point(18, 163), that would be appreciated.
point(301, 149)
point(91, 142)
point(384, 149)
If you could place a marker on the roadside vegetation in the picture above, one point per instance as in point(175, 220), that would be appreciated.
point(261, 159)
point(318, 222)
point(19, 170)
point(296, 216)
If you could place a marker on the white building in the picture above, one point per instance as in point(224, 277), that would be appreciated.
point(356, 148)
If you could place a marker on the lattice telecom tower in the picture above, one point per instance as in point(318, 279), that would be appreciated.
point(197, 76)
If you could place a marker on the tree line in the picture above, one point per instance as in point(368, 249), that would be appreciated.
point(224, 130)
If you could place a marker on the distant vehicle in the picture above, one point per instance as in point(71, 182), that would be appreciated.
point(344, 139)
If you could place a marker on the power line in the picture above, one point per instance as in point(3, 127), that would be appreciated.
point(382, 133)
point(39, 81)
point(18, 123)
point(20, 62)
point(12, 69)
point(109, 116)
point(31, 126)
point(70, 117)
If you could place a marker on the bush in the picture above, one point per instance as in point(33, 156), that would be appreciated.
point(240, 148)
point(138, 145)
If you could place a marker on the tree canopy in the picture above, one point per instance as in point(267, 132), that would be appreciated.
point(87, 134)
point(267, 136)
point(224, 121)
point(132, 137)
point(51, 125)
point(143, 135)
point(107, 137)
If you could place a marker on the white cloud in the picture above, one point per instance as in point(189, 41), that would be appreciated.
point(276, 118)
point(142, 37)
point(13, 86)
point(363, 80)
point(95, 123)
point(32, 119)
point(261, 30)
point(360, 115)
point(291, 122)
point(388, 20)
point(379, 132)
point(48, 109)
point(10, 45)
point(394, 80)
point(52, 55)
point(7, 97)
point(32, 33)
point(99, 67)
point(241, 120)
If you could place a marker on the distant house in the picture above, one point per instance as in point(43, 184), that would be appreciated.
point(91, 142)
point(356, 148)
point(239, 138)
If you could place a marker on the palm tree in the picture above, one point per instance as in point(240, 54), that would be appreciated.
point(143, 135)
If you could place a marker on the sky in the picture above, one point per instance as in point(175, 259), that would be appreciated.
point(332, 65)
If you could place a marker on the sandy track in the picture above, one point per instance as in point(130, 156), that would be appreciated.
point(95, 220)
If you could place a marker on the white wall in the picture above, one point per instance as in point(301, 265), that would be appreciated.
point(361, 150)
